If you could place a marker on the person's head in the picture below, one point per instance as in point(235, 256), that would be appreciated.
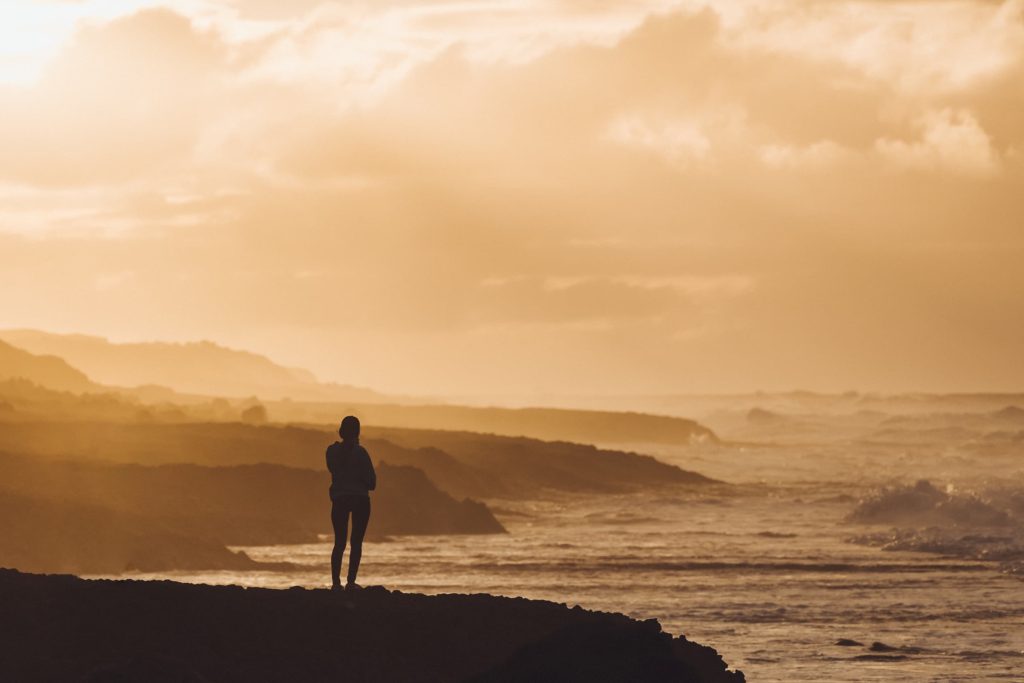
point(349, 430)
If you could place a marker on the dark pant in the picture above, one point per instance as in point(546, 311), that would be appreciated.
point(359, 507)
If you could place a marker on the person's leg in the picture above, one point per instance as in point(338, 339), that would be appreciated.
point(360, 518)
point(339, 519)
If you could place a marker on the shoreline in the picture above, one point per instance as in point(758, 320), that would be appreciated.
point(67, 628)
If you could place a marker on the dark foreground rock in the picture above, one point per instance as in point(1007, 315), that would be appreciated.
point(61, 628)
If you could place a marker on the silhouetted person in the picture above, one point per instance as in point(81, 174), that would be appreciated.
point(352, 479)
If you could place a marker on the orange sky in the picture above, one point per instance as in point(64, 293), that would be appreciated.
point(512, 197)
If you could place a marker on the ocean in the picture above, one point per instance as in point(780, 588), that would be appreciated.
point(774, 569)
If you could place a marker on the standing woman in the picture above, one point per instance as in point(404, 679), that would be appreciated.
point(352, 479)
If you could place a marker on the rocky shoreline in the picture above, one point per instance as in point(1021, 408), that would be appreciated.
point(60, 627)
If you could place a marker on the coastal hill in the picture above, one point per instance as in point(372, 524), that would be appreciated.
point(105, 631)
point(92, 517)
point(202, 368)
point(95, 479)
point(486, 465)
point(549, 424)
point(46, 535)
point(108, 495)
point(190, 376)
point(45, 370)
point(462, 464)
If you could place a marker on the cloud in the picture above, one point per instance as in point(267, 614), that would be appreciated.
point(445, 197)
point(819, 155)
point(928, 47)
point(680, 142)
point(560, 301)
point(121, 103)
point(950, 141)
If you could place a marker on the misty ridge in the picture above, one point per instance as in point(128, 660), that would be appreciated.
point(163, 377)
point(171, 486)
point(213, 370)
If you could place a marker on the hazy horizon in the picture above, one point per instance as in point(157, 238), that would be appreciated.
point(125, 375)
point(490, 198)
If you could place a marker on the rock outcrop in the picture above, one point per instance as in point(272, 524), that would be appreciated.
point(65, 628)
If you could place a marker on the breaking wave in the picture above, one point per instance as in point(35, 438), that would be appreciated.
point(924, 504)
point(973, 525)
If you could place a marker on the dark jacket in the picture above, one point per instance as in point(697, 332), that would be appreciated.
point(351, 470)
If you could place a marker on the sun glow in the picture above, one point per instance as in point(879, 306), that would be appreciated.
point(563, 179)
point(30, 34)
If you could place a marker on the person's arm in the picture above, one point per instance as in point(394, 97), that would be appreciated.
point(371, 474)
point(327, 457)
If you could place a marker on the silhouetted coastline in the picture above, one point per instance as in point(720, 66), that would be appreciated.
point(65, 628)
point(85, 516)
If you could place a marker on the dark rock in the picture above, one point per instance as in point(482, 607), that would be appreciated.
point(64, 628)
point(152, 669)
point(905, 649)
point(881, 658)
point(846, 642)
